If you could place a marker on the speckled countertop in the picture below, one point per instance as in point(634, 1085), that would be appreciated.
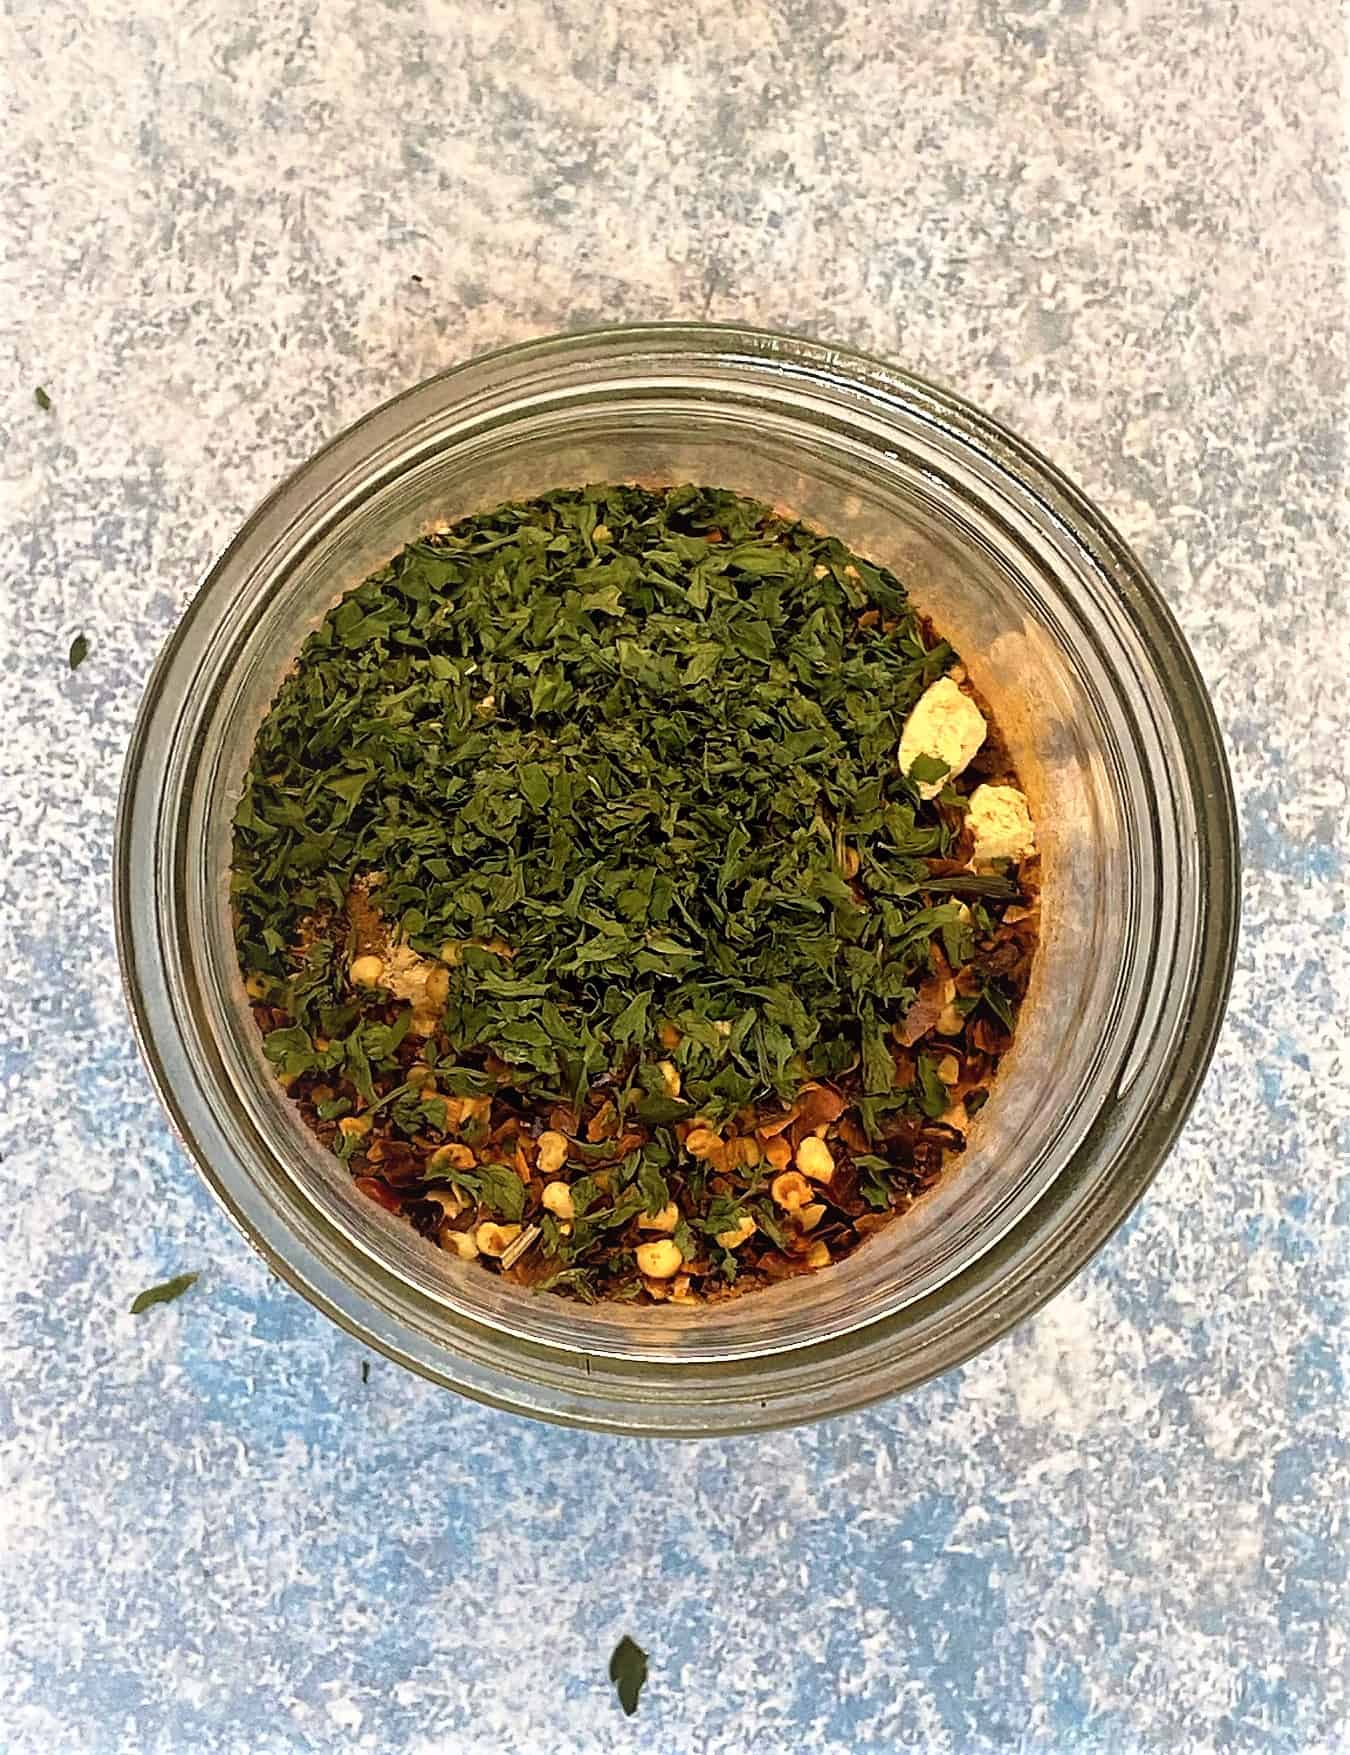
point(1118, 226)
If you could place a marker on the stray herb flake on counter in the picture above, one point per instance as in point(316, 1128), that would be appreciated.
point(79, 651)
point(42, 399)
point(588, 915)
point(164, 1293)
point(628, 1672)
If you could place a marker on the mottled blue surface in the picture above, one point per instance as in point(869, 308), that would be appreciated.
point(1115, 225)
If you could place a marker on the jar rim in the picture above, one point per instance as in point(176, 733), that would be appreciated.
point(1024, 1267)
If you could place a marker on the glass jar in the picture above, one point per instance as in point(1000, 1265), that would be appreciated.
point(1110, 729)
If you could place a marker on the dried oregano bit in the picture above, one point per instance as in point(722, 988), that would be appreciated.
point(925, 769)
point(998, 1003)
point(496, 1185)
point(628, 1672)
point(164, 1293)
point(933, 1098)
point(873, 1180)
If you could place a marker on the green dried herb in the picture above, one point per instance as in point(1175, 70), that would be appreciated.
point(628, 1672)
point(165, 1293)
point(873, 1180)
point(998, 1003)
point(42, 399)
point(496, 1185)
point(933, 1098)
point(923, 770)
point(629, 759)
point(79, 651)
point(623, 766)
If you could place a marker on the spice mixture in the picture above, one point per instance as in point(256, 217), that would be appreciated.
point(633, 893)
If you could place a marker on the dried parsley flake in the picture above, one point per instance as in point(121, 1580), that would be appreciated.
point(165, 1293)
point(628, 1672)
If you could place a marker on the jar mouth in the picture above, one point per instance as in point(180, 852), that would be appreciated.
point(1034, 586)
